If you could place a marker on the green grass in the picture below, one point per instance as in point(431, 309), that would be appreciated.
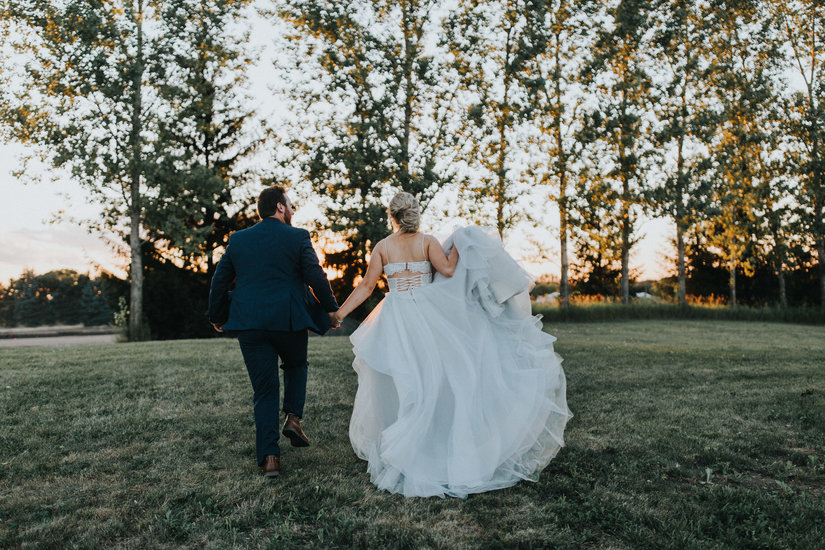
point(686, 434)
point(637, 310)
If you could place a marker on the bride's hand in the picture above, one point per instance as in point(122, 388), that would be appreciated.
point(334, 320)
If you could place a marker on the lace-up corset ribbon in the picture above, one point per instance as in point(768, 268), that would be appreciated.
point(421, 275)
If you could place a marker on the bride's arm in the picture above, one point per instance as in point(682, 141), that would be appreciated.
point(367, 284)
point(441, 262)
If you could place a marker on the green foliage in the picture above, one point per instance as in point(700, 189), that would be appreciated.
point(203, 191)
point(686, 434)
point(742, 62)
point(596, 236)
point(556, 34)
point(379, 111)
point(487, 53)
point(73, 98)
point(543, 288)
point(684, 122)
point(616, 129)
point(121, 315)
point(709, 276)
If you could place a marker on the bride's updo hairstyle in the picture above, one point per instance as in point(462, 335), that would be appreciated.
point(406, 212)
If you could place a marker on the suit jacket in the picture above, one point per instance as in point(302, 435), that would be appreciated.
point(274, 266)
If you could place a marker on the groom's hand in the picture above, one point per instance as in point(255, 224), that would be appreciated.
point(333, 320)
point(218, 328)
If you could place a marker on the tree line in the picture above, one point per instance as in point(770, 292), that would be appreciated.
point(608, 109)
point(707, 113)
point(61, 297)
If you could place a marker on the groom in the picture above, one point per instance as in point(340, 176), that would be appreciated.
point(271, 309)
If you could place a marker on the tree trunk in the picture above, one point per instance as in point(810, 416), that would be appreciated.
point(626, 258)
point(408, 99)
point(779, 254)
point(136, 270)
point(501, 179)
point(732, 283)
point(503, 123)
point(820, 248)
point(625, 220)
point(564, 287)
point(501, 188)
point(680, 229)
point(625, 213)
point(680, 250)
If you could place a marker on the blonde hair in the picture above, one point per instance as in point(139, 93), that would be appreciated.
point(406, 212)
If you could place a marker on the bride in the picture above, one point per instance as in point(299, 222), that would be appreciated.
point(459, 390)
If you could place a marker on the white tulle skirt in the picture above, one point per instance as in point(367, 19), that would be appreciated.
point(459, 390)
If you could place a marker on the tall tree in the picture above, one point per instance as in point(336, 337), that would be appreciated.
point(596, 235)
point(377, 109)
point(485, 40)
point(778, 229)
point(81, 100)
point(802, 24)
point(199, 176)
point(742, 65)
point(619, 72)
point(552, 43)
point(680, 43)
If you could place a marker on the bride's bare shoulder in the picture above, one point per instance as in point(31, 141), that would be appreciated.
point(430, 239)
point(380, 248)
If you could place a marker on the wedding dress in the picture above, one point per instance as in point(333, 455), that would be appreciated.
point(459, 390)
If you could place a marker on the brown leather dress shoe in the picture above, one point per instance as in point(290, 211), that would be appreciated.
point(292, 429)
point(272, 466)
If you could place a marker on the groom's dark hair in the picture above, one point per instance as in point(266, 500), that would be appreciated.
point(269, 199)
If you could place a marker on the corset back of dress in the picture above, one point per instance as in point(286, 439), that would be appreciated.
point(403, 276)
point(420, 275)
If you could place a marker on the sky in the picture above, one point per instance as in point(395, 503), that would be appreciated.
point(30, 238)
point(27, 238)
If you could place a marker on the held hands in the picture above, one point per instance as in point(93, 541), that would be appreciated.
point(218, 328)
point(334, 321)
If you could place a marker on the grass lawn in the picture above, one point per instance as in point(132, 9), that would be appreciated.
point(686, 434)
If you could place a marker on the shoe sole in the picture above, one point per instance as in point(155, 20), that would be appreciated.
point(271, 475)
point(295, 438)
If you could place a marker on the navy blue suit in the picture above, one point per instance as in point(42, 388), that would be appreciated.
point(271, 308)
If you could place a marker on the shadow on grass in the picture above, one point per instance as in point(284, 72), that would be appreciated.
point(644, 310)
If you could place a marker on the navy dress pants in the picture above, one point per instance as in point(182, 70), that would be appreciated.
point(261, 350)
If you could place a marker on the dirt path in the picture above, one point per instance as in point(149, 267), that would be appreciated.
point(70, 340)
